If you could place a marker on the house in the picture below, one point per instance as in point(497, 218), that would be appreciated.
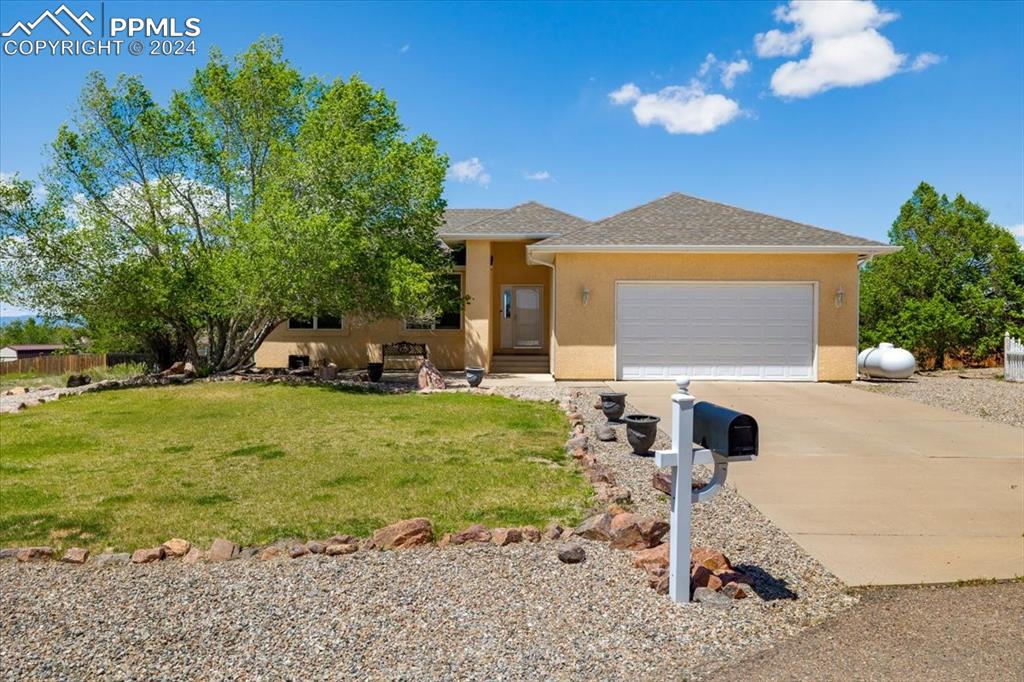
point(680, 285)
point(21, 351)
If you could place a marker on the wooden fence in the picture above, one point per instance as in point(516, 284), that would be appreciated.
point(1013, 358)
point(52, 365)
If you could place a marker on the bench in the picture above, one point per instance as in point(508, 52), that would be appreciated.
point(402, 349)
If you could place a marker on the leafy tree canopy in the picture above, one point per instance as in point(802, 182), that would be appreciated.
point(254, 195)
point(31, 331)
point(956, 286)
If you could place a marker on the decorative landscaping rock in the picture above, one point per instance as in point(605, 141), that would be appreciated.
point(223, 550)
point(710, 558)
point(76, 380)
point(662, 480)
point(17, 390)
point(599, 473)
point(575, 418)
point(530, 533)
point(703, 577)
point(75, 555)
point(342, 540)
point(404, 534)
point(737, 590)
point(612, 494)
point(147, 555)
point(657, 580)
point(571, 554)
point(605, 433)
point(652, 559)
point(577, 443)
point(315, 547)
point(596, 528)
point(9, 553)
point(193, 556)
point(624, 530)
point(113, 559)
point(272, 552)
point(341, 548)
point(34, 553)
point(429, 377)
point(176, 547)
point(553, 531)
point(709, 597)
point(478, 533)
point(506, 536)
point(295, 551)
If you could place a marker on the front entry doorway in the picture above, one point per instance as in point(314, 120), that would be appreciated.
point(522, 316)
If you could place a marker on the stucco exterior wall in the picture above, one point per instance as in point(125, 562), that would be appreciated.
point(510, 268)
point(351, 346)
point(585, 335)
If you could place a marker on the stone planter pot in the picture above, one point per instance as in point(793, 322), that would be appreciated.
point(474, 375)
point(641, 431)
point(375, 370)
point(613, 405)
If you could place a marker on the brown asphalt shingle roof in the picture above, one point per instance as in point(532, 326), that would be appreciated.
point(681, 220)
point(529, 219)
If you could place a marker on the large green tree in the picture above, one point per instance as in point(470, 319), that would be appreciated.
point(254, 195)
point(955, 287)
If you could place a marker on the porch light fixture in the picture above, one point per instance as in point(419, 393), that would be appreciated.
point(586, 296)
point(840, 296)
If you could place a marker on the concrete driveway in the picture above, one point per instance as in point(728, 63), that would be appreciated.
point(881, 490)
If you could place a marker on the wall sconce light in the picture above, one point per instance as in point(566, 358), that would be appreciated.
point(586, 296)
point(840, 297)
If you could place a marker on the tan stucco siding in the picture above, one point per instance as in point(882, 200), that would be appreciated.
point(510, 268)
point(478, 308)
point(585, 335)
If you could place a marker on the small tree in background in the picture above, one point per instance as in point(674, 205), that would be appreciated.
point(955, 288)
point(255, 195)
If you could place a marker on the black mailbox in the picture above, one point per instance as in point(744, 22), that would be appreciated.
point(726, 432)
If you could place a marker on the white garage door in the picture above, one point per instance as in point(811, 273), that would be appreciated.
point(720, 330)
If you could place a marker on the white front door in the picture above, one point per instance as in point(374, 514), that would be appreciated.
point(715, 330)
point(526, 317)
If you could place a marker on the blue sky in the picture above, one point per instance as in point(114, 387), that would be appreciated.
point(834, 118)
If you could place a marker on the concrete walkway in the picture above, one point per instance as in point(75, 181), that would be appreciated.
point(881, 490)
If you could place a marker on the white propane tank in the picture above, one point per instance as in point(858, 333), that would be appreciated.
point(885, 362)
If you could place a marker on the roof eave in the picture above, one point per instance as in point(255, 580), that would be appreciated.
point(860, 249)
point(506, 237)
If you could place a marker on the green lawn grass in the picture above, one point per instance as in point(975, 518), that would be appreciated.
point(254, 463)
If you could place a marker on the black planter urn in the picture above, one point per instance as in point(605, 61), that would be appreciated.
point(641, 431)
point(474, 375)
point(613, 405)
point(375, 370)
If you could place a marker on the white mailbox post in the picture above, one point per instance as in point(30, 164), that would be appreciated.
point(681, 459)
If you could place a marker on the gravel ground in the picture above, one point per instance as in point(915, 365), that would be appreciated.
point(976, 392)
point(457, 613)
point(921, 633)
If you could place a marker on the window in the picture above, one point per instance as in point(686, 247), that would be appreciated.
point(324, 322)
point(447, 320)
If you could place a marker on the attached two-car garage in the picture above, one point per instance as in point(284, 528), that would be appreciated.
point(716, 330)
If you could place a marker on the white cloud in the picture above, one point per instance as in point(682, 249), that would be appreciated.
point(627, 93)
point(846, 48)
point(538, 176)
point(678, 108)
point(470, 171)
point(729, 71)
point(924, 60)
point(732, 70)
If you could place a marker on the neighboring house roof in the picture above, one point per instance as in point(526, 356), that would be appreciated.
point(678, 222)
point(29, 347)
point(525, 221)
